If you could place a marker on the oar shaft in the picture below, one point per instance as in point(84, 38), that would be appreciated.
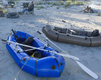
point(73, 57)
point(70, 56)
point(27, 46)
point(33, 48)
point(51, 42)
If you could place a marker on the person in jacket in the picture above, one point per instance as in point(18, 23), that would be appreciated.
point(30, 8)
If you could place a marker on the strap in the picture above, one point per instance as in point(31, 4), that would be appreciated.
point(36, 67)
point(57, 64)
point(25, 36)
point(90, 42)
point(20, 36)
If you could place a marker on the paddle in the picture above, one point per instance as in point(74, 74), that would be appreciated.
point(84, 68)
point(33, 48)
point(69, 56)
point(75, 58)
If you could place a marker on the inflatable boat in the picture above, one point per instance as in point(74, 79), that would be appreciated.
point(12, 15)
point(73, 36)
point(43, 64)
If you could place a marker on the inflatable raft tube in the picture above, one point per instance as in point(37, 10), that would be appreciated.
point(12, 15)
point(71, 36)
point(49, 65)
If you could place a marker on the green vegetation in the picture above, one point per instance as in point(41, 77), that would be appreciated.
point(78, 3)
point(57, 8)
point(51, 6)
point(68, 3)
point(86, 2)
point(39, 7)
point(59, 3)
point(99, 14)
point(55, 4)
point(1, 9)
point(62, 3)
point(48, 3)
point(39, 3)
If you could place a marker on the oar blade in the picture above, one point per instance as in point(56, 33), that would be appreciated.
point(4, 40)
point(88, 71)
point(69, 56)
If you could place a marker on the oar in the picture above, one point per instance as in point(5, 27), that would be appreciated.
point(65, 55)
point(33, 48)
point(56, 45)
point(84, 68)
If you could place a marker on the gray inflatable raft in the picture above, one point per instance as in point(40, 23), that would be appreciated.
point(71, 36)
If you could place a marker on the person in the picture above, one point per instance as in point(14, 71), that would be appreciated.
point(30, 8)
point(11, 4)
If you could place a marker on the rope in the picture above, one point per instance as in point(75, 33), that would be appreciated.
point(21, 69)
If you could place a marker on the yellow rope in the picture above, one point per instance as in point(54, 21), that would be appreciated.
point(32, 55)
point(20, 70)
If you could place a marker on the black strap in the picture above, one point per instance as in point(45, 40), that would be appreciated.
point(36, 67)
point(21, 59)
point(25, 36)
point(90, 42)
point(86, 38)
point(57, 36)
point(20, 36)
point(58, 65)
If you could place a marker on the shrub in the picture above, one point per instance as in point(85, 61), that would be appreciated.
point(39, 3)
point(67, 3)
point(86, 2)
point(57, 8)
point(1, 8)
point(35, 6)
point(62, 3)
point(39, 7)
point(98, 14)
point(49, 3)
point(51, 6)
point(55, 4)
point(78, 3)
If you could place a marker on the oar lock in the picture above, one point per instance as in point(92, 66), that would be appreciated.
point(16, 48)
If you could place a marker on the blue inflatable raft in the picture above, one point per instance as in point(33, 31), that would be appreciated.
point(49, 65)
